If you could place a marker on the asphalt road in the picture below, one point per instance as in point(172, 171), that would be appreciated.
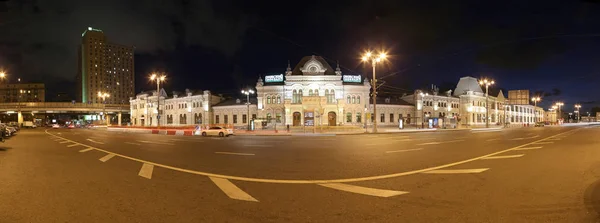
point(548, 174)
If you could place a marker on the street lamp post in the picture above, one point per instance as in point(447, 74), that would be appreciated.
point(559, 104)
point(374, 60)
point(248, 93)
point(578, 106)
point(487, 84)
point(158, 78)
point(535, 101)
point(423, 109)
point(104, 95)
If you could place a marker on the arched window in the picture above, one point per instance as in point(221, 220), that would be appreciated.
point(278, 99)
point(348, 117)
point(332, 96)
point(268, 99)
point(300, 96)
point(353, 100)
point(348, 99)
point(268, 117)
point(357, 99)
point(310, 92)
point(295, 96)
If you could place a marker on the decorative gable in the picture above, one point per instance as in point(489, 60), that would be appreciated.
point(313, 67)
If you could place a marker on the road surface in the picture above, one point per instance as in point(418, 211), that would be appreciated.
point(548, 174)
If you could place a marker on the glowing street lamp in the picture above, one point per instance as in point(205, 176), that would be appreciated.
point(104, 95)
point(578, 106)
point(158, 78)
point(248, 93)
point(535, 101)
point(487, 84)
point(369, 57)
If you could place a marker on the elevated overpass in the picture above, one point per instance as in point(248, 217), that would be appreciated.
point(63, 108)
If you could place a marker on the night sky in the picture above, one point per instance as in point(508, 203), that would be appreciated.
point(549, 47)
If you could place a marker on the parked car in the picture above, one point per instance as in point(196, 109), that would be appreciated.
point(71, 126)
point(55, 126)
point(12, 130)
point(217, 131)
point(539, 124)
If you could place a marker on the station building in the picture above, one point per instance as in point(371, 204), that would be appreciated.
point(313, 94)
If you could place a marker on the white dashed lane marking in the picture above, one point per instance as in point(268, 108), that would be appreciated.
point(107, 157)
point(146, 171)
point(240, 154)
point(457, 171)
point(231, 190)
point(529, 148)
point(91, 140)
point(85, 150)
point(539, 143)
point(363, 190)
point(502, 157)
point(403, 150)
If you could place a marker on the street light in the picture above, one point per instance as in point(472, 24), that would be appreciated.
point(422, 109)
point(487, 84)
point(374, 60)
point(158, 78)
point(578, 106)
point(248, 93)
point(104, 95)
point(559, 104)
point(535, 101)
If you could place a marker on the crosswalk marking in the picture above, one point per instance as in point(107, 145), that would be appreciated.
point(91, 140)
point(502, 157)
point(403, 150)
point(85, 150)
point(529, 148)
point(231, 190)
point(457, 171)
point(76, 144)
point(146, 171)
point(107, 157)
point(363, 190)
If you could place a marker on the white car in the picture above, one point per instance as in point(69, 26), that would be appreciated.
point(55, 126)
point(217, 131)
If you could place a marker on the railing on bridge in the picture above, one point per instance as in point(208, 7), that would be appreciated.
point(62, 105)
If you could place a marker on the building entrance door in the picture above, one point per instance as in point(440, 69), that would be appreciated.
point(296, 119)
point(331, 117)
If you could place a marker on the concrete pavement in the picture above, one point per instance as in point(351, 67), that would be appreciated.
point(521, 175)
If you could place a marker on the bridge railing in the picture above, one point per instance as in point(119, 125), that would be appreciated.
point(58, 105)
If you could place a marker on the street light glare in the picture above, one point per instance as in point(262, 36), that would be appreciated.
point(153, 76)
point(2, 75)
point(368, 54)
point(378, 59)
point(364, 58)
point(162, 78)
point(382, 55)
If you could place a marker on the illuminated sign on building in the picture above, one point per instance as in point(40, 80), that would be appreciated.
point(352, 78)
point(274, 78)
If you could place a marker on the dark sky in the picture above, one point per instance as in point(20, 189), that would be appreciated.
point(551, 47)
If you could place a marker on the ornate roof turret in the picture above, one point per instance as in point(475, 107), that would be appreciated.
point(337, 70)
point(288, 71)
point(259, 82)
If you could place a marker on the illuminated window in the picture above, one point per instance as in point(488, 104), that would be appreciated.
point(348, 99)
point(353, 100)
point(382, 118)
point(268, 99)
point(268, 117)
point(348, 117)
point(278, 99)
point(357, 99)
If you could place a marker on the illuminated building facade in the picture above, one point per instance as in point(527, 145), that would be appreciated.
point(104, 67)
point(22, 92)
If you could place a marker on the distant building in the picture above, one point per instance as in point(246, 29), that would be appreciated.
point(22, 92)
point(104, 67)
point(518, 97)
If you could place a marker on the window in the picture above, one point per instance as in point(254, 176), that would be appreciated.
point(310, 92)
point(353, 100)
point(253, 116)
point(348, 117)
point(225, 119)
point(294, 96)
point(348, 99)
point(278, 117)
point(216, 119)
point(392, 118)
point(234, 119)
point(244, 119)
point(300, 96)
point(358, 117)
point(183, 119)
point(268, 117)
point(357, 99)
point(278, 99)
point(382, 118)
point(268, 99)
